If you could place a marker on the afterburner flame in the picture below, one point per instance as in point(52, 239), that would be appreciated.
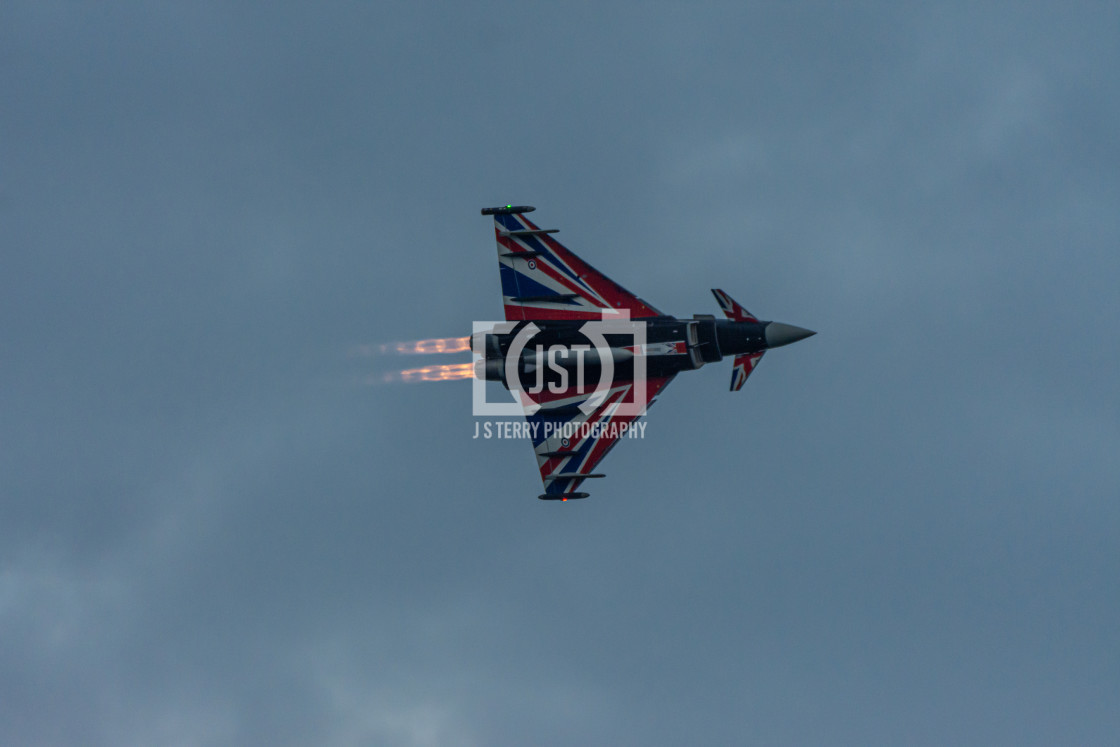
point(445, 372)
point(414, 347)
point(436, 345)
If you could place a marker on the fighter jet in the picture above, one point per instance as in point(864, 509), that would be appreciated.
point(585, 357)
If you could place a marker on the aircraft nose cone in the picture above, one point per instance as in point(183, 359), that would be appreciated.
point(778, 334)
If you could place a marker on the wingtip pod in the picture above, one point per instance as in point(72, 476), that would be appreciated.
point(508, 209)
point(562, 496)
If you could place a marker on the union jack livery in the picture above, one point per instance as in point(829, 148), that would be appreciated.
point(585, 357)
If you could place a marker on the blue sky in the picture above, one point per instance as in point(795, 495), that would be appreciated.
point(902, 530)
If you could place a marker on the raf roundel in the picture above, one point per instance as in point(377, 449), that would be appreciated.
point(532, 264)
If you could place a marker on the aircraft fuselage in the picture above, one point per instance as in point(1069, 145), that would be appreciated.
point(671, 345)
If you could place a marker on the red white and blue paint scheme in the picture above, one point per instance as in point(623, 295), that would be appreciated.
point(594, 386)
